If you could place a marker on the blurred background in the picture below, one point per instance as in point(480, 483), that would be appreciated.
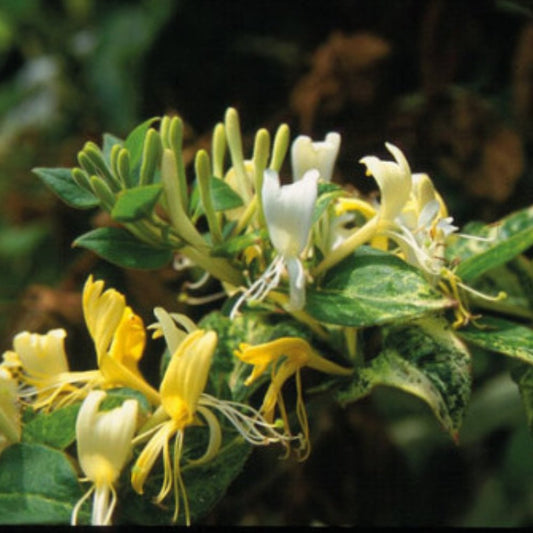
point(450, 82)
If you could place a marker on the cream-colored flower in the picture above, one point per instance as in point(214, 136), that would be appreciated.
point(320, 155)
point(104, 441)
point(394, 180)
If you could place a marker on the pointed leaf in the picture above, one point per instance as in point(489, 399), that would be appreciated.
point(372, 287)
point(61, 183)
point(498, 254)
point(137, 203)
point(224, 197)
point(134, 143)
point(121, 248)
point(505, 239)
point(502, 336)
point(426, 360)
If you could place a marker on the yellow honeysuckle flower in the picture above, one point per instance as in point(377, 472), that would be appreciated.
point(286, 356)
point(180, 390)
point(104, 441)
point(119, 338)
point(184, 403)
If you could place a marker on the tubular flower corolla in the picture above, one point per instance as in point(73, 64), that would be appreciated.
point(394, 180)
point(288, 212)
point(104, 445)
point(319, 155)
point(286, 356)
point(119, 339)
point(184, 403)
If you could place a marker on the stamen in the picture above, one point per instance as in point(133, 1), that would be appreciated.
point(262, 286)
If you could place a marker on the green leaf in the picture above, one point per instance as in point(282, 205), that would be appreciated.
point(224, 197)
point(372, 287)
point(426, 360)
point(134, 143)
point(56, 429)
point(502, 336)
point(515, 278)
point(205, 484)
point(61, 183)
point(38, 485)
point(108, 142)
point(507, 237)
point(327, 192)
point(137, 203)
point(119, 247)
point(498, 254)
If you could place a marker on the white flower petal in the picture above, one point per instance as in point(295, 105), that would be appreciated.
point(289, 210)
point(104, 438)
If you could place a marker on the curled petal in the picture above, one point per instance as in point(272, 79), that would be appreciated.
point(394, 180)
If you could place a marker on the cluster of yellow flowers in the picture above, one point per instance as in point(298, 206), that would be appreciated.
point(411, 221)
point(105, 439)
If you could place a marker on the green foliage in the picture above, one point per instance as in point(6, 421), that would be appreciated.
point(119, 247)
point(501, 336)
point(372, 287)
point(135, 204)
point(424, 359)
point(37, 485)
point(59, 180)
point(56, 429)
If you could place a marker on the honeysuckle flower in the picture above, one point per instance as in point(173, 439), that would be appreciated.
point(286, 357)
point(394, 180)
point(184, 403)
point(44, 365)
point(288, 212)
point(319, 155)
point(119, 339)
point(104, 440)
point(10, 427)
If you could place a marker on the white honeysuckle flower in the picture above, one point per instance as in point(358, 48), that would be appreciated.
point(288, 213)
point(394, 180)
point(289, 210)
point(104, 445)
point(321, 155)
